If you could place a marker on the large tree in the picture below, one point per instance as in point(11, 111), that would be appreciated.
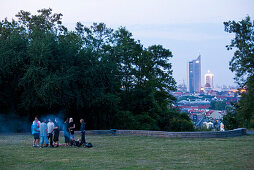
point(242, 64)
point(96, 73)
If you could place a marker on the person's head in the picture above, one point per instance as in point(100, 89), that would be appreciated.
point(56, 120)
point(70, 120)
point(81, 121)
point(44, 120)
point(36, 118)
point(49, 120)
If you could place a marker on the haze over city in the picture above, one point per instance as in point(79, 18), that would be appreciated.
point(186, 27)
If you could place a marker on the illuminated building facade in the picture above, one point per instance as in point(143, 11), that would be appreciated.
point(194, 75)
point(209, 80)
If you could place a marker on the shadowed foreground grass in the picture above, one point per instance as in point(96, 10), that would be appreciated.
point(130, 152)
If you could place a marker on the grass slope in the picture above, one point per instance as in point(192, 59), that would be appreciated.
point(130, 152)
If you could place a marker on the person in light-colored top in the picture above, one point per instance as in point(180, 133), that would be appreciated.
point(222, 127)
point(44, 133)
point(50, 132)
point(71, 129)
point(36, 131)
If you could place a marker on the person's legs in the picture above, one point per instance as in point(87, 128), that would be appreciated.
point(83, 139)
point(56, 143)
point(42, 141)
point(46, 141)
point(36, 139)
point(69, 139)
point(66, 138)
point(72, 136)
point(51, 139)
point(56, 139)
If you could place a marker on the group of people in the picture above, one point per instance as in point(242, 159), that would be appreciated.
point(47, 133)
point(68, 129)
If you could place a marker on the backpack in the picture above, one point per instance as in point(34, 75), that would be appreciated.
point(78, 143)
point(89, 145)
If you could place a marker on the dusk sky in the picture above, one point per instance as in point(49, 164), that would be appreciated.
point(186, 27)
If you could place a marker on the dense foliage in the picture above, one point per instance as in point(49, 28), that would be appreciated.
point(242, 64)
point(217, 105)
point(96, 73)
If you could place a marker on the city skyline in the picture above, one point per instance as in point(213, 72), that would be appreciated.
point(194, 75)
point(185, 27)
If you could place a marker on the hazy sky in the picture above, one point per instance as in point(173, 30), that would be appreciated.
point(186, 27)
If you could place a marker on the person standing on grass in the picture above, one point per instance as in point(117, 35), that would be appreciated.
point(44, 133)
point(222, 127)
point(56, 133)
point(71, 128)
point(83, 131)
point(216, 125)
point(66, 132)
point(50, 126)
point(36, 131)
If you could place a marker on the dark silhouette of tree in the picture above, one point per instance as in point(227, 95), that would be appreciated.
point(96, 73)
point(242, 64)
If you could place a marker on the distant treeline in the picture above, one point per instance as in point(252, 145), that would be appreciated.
point(102, 75)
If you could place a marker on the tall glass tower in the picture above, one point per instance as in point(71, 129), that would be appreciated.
point(194, 75)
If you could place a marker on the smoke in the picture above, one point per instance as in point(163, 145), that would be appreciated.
point(52, 116)
point(60, 116)
point(12, 123)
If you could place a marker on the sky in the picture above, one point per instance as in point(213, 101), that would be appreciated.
point(186, 27)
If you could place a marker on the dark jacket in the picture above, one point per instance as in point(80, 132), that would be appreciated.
point(82, 127)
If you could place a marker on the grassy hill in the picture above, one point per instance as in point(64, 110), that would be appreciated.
point(130, 152)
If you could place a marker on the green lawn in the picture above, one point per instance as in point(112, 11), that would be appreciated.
point(130, 152)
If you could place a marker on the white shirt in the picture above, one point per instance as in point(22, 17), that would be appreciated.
point(50, 127)
point(43, 129)
point(222, 127)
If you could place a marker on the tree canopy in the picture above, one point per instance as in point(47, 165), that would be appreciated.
point(96, 73)
point(242, 64)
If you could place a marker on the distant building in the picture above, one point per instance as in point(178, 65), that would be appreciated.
point(209, 80)
point(194, 75)
point(181, 87)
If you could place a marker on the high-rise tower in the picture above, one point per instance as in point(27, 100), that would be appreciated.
point(194, 75)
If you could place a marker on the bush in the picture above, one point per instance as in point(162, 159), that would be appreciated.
point(252, 123)
point(173, 120)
